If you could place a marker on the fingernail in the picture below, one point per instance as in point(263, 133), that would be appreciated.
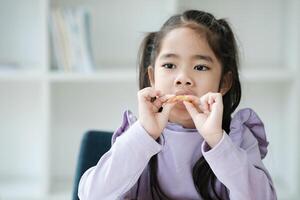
point(160, 109)
point(152, 99)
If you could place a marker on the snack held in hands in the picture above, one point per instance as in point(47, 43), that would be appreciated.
point(179, 98)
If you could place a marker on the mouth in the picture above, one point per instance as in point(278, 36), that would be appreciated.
point(184, 92)
point(180, 96)
point(180, 106)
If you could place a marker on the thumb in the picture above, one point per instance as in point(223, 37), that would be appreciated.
point(164, 115)
point(191, 109)
point(198, 118)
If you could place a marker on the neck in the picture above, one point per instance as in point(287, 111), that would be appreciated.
point(185, 123)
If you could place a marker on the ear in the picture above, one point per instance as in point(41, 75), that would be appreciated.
point(226, 83)
point(151, 75)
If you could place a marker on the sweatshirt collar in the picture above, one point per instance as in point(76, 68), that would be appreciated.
point(179, 128)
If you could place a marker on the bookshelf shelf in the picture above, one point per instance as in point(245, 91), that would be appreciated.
point(21, 76)
point(268, 75)
point(113, 75)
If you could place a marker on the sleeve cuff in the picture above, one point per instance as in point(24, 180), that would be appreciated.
point(215, 152)
point(206, 147)
point(224, 152)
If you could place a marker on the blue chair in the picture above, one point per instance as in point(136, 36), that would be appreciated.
point(93, 145)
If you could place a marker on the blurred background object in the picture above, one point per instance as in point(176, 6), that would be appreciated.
point(46, 106)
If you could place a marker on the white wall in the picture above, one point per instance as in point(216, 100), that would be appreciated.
point(257, 24)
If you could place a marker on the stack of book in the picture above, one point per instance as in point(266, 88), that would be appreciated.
point(70, 39)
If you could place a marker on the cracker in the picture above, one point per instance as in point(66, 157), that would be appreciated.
point(178, 98)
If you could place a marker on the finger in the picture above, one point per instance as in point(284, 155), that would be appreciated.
point(147, 96)
point(149, 93)
point(216, 103)
point(211, 99)
point(166, 109)
point(191, 109)
point(156, 108)
point(203, 109)
point(158, 102)
point(166, 97)
point(191, 98)
point(171, 98)
point(198, 118)
point(218, 98)
point(153, 95)
point(195, 101)
point(204, 103)
point(215, 98)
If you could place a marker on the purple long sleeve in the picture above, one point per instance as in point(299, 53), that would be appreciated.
point(236, 162)
point(240, 169)
point(241, 153)
point(119, 169)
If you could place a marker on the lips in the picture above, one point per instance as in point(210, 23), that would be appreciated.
point(184, 92)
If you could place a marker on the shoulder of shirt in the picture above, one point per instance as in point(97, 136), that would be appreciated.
point(128, 119)
point(247, 121)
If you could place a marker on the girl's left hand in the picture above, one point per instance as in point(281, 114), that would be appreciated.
point(208, 120)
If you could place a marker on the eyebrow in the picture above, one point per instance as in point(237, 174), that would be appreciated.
point(198, 57)
point(203, 57)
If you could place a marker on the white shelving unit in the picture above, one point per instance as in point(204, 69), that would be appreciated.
point(44, 113)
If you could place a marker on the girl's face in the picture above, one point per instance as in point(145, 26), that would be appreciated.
point(185, 65)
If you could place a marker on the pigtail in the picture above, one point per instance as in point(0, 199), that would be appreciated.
point(227, 53)
point(156, 191)
point(231, 59)
point(145, 59)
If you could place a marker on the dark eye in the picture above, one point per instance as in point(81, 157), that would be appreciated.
point(201, 68)
point(169, 66)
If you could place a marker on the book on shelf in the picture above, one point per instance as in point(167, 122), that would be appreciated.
point(71, 39)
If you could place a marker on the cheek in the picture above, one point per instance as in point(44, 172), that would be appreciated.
point(207, 85)
point(163, 84)
point(162, 80)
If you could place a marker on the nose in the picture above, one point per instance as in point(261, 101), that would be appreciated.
point(183, 79)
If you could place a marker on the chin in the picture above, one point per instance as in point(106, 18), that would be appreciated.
point(180, 115)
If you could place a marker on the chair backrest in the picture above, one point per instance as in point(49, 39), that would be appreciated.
point(93, 145)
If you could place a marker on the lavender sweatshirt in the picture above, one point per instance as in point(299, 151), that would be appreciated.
point(123, 172)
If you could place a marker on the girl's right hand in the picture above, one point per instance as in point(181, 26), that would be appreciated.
point(150, 102)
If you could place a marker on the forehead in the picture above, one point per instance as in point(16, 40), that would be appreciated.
point(185, 41)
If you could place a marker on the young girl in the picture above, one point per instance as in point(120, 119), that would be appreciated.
point(184, 144)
